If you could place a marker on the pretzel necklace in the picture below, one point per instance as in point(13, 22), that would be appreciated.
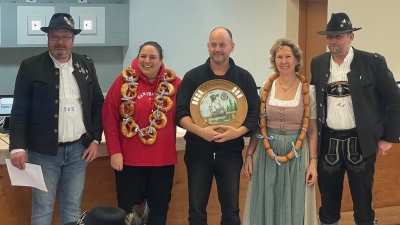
point(157, 118)
point(263, 121)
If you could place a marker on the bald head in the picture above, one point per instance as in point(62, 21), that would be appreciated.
point(222, 30)
point(220, 46)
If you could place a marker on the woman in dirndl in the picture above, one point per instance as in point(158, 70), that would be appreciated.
point(281, 159)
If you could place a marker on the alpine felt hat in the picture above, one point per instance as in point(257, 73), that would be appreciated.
point(338, 24)
point(102, 215)
point(61, 21)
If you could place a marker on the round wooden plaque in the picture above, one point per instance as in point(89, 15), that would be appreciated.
point(218, 102)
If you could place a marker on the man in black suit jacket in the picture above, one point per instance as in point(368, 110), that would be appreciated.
point(358, 108)
point(56, 117)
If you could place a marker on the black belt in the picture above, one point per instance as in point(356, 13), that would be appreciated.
point(342, 133)
point(70, 142)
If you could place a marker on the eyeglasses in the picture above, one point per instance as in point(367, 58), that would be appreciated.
point(63, 38)
point(82, 219)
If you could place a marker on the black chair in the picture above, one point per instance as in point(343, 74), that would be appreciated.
point(5, 128)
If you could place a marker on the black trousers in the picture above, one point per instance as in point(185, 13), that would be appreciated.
point(340, 153)
point(154, 184)
point(225, 167)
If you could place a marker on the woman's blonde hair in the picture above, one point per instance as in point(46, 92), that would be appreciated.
point(295, 49)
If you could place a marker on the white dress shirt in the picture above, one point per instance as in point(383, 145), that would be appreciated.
point(340, 113)
point(70, 118)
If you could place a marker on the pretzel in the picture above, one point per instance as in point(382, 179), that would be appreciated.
point(161, 118)
point(165, 103)
point(169, 75)
point(126, 109)
point(152, 137)
point(126, 73)
point(168, 89)
point(129, 91)
point(128, 128)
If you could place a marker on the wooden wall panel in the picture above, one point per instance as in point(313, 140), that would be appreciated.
point(312, 18)
point(100, 190)
point(303, 35)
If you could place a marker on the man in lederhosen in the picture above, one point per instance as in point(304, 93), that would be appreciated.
point(358, 108)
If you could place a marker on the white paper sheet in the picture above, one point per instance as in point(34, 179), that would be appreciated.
point(31, 176)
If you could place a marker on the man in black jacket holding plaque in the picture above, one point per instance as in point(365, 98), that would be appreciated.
point(216, 150)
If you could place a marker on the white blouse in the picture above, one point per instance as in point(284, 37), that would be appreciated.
point(295, 101)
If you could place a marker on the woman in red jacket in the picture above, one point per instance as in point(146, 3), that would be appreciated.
point(138, 121)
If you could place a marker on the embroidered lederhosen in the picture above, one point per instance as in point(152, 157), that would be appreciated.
point(343, 142)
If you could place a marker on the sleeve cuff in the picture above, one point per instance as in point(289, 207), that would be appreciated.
point(17, 150)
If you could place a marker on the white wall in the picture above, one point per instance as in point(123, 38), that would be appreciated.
point(182, 29)
point(292, 19)
point(380, 29)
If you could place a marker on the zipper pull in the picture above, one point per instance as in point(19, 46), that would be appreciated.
point(214, 155)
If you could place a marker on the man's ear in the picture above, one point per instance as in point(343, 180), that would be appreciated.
point(232, 46)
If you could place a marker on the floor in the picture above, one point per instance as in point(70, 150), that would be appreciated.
point(100, 189)
point(385, 216)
